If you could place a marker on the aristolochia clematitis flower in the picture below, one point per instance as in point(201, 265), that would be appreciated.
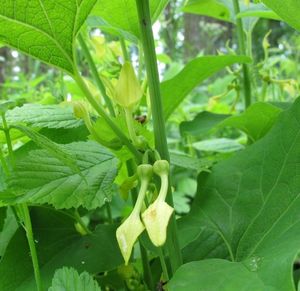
point(128, 90)
point(128, 232)
point(156, 217)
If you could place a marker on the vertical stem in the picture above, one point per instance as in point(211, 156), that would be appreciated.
point(144, 254)
point(8, 139)
point(109, 214)
point(32, 247)
point(95, 75)
point(124, 49)
point(25, 215)
point(163, 264)
point(158, 117)
point(242, 49)
point(3, 162)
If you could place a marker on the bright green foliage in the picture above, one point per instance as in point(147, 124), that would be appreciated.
point(50, 116)
point(250, 203)
point(213, 8)
point(196, 71)
point(69, 279)
point(44, 29)
point(216, 274)
point(40, 178)
point(256, 121)
point(219, 145)
point(59, 244)
point(123, 14)
point(202, 123)
point(288, 10)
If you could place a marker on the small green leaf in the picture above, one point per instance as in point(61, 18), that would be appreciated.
point(256, 121)
point(44, 29)
point(69, 279)
point(40, 178)
point(288, 10)
point(196, 71)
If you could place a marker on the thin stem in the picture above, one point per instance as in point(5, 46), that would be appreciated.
point(158, 117)
point(163, 264)
point(80, 221)
point(109, 214)
point(104, 115)
point(32, 247)
point(95, 75)
point(130, 126)
point(124, 49)
point(8, 139)
point(131, 169)
point(242, 49)
point(3, 163)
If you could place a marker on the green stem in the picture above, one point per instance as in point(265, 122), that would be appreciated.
point(80, 221)
point(163, 264)
point(3, 163)
point(130, 126)
point(95, 75)
point(32, 247)
point(104, 115)
point(8, 140)
point(158, 117)
point(124, 49)
point(109, 214)
point(242, 49)
point(131, 169)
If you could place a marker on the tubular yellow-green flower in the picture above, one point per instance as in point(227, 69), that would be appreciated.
point(156, 217)
point(128, 232)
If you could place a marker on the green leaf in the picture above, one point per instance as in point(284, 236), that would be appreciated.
point(196, 71)
point(188, 162)
point(40, 178)
point(58, 245)
point(251, 201)
point(216, 274)
point(202, 123)
point(219, 145)
point(288, 10)
point(123, 14)
point(212, 8)
point(256, 121)
point(10, 226)
point(49, 116)
point(53, 148)
point(69, 279)
point(44, 29)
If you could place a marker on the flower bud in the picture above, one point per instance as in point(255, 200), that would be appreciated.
point(80, 111)
point(128, 91)
point(161, 167)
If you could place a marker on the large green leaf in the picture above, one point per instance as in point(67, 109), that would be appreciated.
point(251, 202)
point(288, 10)
point(123, 13)
point(37, 115)
point(44, 29)
point(69, 279)
point(40, 178)
point(176, 89)
point(216, 274)
point(256, 121)
point(58, 245)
